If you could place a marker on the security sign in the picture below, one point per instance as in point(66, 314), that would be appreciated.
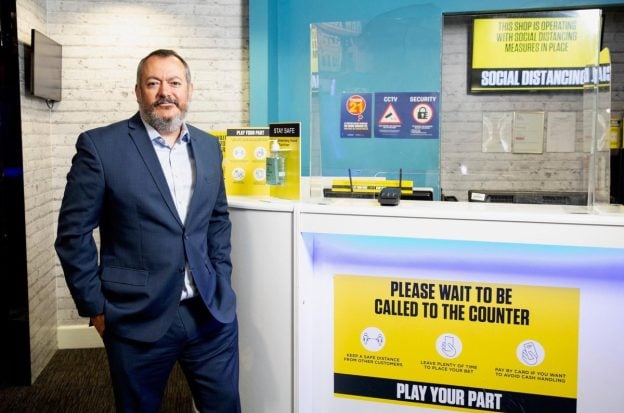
point(406, 115)
point(422, 113)
point(390, 117)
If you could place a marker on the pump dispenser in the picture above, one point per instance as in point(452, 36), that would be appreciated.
point(275, 165)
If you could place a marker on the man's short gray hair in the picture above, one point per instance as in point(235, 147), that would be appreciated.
point(163, 53)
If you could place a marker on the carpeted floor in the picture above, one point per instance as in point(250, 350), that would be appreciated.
point(79, 381)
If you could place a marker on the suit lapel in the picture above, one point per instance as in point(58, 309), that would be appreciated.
point(146, 150)
point(200, 173)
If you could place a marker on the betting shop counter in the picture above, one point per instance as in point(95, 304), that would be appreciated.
point(429, 306)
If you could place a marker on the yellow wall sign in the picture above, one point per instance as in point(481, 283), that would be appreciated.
point(545, 50)
point(462, 345)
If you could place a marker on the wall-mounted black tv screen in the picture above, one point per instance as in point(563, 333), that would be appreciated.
point(46, 67)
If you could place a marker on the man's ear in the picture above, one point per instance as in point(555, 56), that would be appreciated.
point(137, 92)
point(190, 93)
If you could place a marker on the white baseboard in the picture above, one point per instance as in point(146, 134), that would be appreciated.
point(81, 336)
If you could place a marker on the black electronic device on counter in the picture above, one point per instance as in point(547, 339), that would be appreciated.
point(389, 196)
point(528, 197)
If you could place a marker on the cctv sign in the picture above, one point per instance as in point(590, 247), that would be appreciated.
point(407, 115)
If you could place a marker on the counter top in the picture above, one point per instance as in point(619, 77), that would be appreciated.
point(261, 203)
point(569, 214)
point(611, 215)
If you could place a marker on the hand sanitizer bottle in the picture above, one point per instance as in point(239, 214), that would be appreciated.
point(275, 165)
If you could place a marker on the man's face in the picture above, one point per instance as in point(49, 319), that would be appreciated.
point(163, 93)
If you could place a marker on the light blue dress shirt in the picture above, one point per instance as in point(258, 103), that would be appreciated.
point(178, 165)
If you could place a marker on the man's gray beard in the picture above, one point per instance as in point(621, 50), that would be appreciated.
point(162, 125)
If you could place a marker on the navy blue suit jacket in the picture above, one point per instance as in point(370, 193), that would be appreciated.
point(116, 183)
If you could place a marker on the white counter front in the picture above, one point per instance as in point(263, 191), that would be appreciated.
point(262, 276)
point(315, 281)
point(469, 221)
point(556, 279)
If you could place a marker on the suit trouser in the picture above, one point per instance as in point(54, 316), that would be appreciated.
point(206, 350)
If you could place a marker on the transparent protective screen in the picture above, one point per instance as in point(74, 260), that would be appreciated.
point(367, 79)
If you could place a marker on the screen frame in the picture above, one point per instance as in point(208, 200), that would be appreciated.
point(46, 67)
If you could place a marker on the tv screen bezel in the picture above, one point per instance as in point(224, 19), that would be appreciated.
point(46, 67)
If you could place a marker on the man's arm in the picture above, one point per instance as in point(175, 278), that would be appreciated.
point(78, 217)
point(219, 235)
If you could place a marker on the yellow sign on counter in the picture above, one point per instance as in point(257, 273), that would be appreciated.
point(461, 345)
point(245, 154)
point(288, 136)
point(244, 162)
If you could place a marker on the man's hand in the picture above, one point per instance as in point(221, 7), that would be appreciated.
point(97, 321)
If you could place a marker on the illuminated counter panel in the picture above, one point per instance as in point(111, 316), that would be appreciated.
point(457, 308)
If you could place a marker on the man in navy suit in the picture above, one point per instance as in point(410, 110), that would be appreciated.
point(159, 290)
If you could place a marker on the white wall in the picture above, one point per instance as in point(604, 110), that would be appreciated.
point(39, 201)
point(103, 40)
